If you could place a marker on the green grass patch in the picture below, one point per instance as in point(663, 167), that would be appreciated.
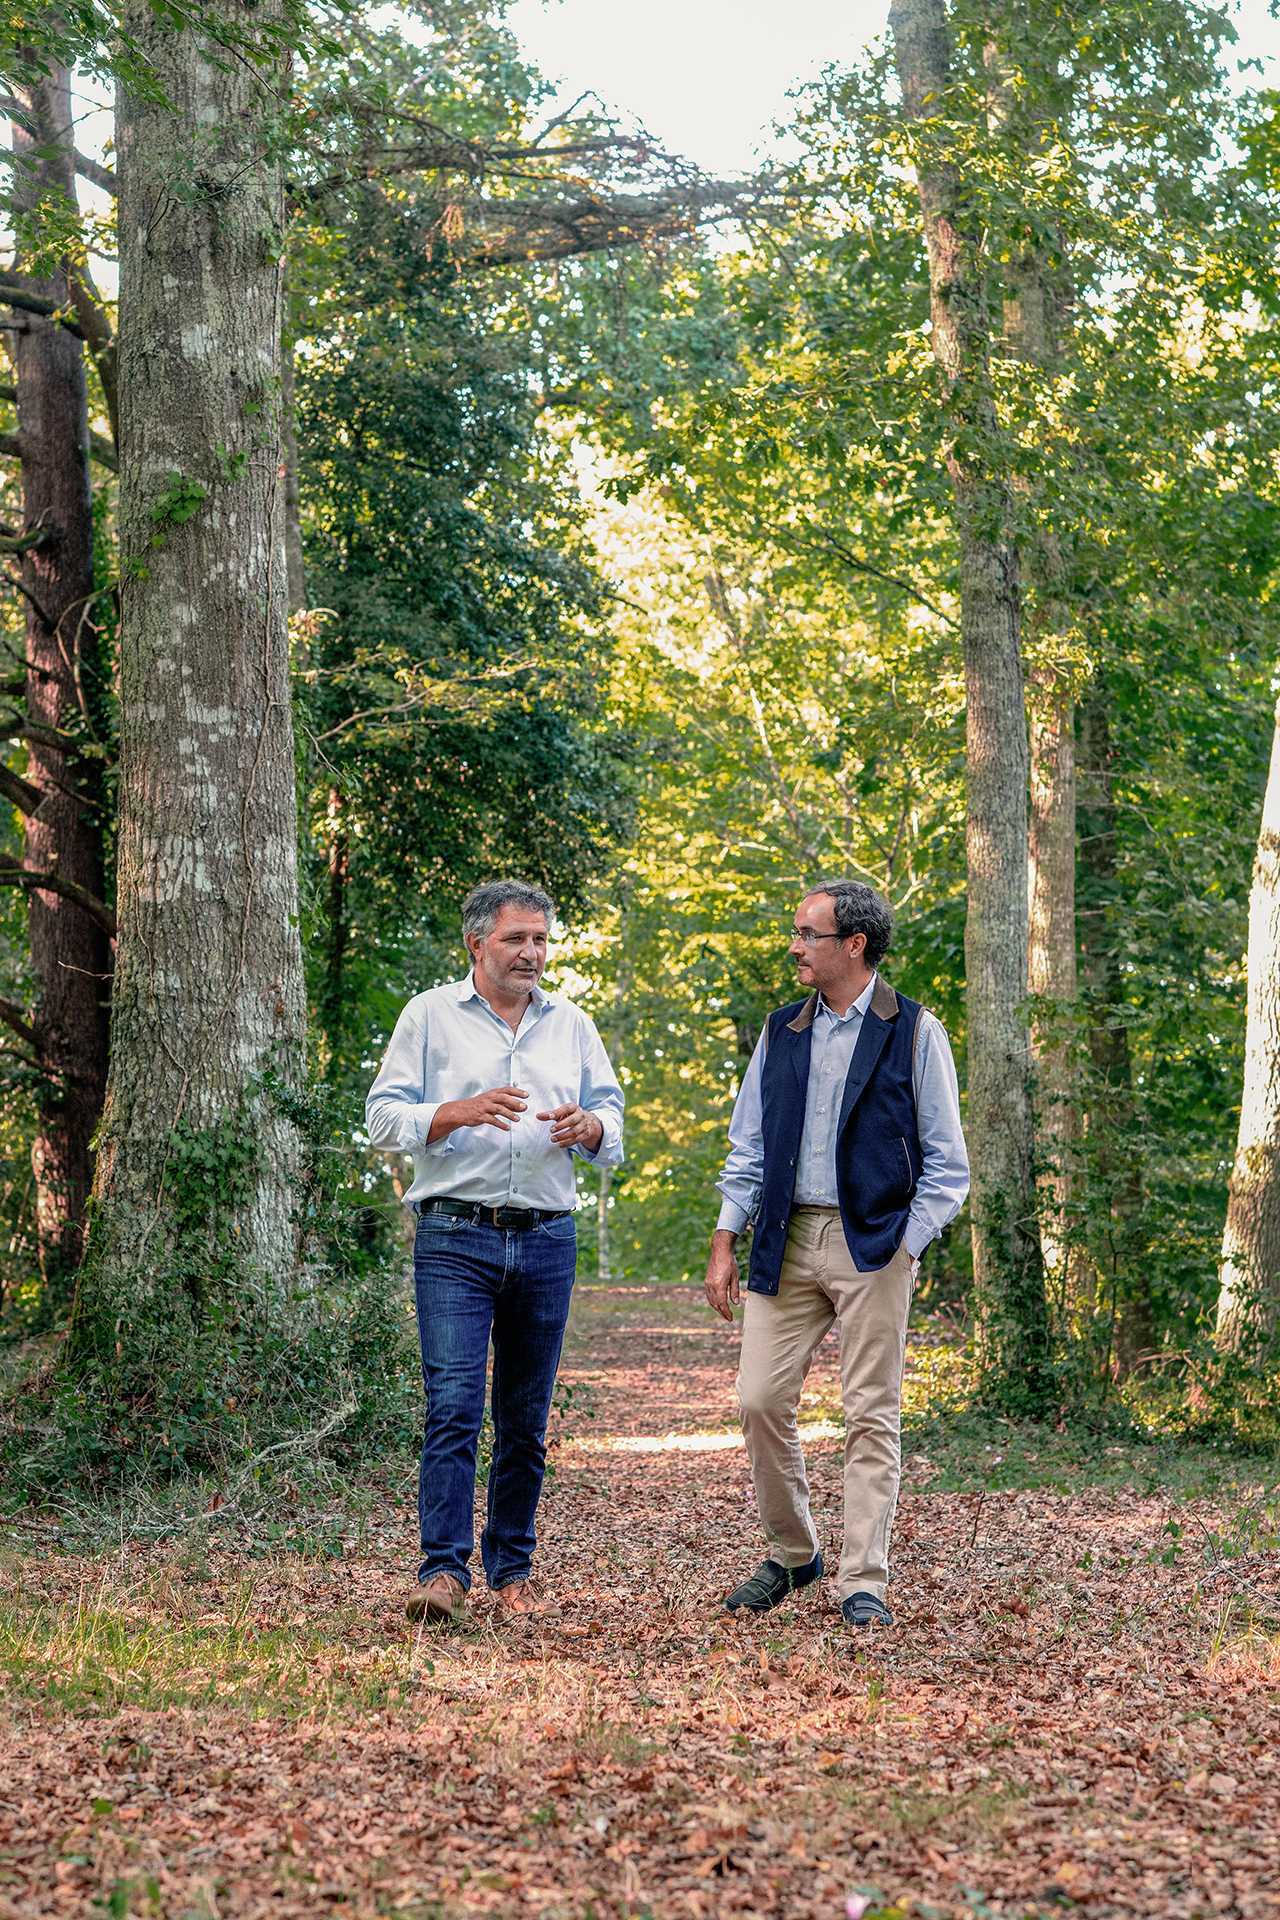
point(92, 1657)
point(971, 1453)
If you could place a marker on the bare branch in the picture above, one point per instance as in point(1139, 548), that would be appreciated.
point(14, 295)
point(14, 874)
point(54, 739)
point(24, 542)
point(11, 446)
point(28, 1060)
point(858, 565)
point(19, 585)
point(435, 150)
point(90, 169)
point(16, 1020)
point(509, 232)
point(23, 795)
point(96, 329)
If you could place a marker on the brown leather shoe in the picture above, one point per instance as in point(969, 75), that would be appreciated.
point(520, 1596)
point(442, 1598)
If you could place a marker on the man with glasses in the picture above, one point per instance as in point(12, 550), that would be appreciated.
point(493, 1086)
point(845, 1150)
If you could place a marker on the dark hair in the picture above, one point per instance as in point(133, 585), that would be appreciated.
point(484, 903)
point(860, 909)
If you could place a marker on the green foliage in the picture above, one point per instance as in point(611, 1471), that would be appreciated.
point(180, 501)
point(452, 687)
point(803, 461)
point(218, 1376)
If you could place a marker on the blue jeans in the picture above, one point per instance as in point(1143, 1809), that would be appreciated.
point(473, 1283)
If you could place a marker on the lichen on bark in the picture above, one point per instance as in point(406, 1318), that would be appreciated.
point(209, 985)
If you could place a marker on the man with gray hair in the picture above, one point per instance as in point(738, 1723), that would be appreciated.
point(845, 1150)
point(495, 1249)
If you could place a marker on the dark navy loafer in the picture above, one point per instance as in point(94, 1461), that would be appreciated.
point(771, 1584)
point(864, 1610)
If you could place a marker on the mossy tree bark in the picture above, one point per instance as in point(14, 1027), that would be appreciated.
point(209, 989)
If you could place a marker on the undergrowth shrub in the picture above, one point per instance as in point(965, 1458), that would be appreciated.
point(222, 1373)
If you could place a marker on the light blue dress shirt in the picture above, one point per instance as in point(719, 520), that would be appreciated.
point(944, 1181)
point(449, 1044)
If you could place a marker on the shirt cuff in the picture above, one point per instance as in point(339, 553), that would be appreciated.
point(916, 1238)
point(416, 1125)
point(732, 1216)
point(608, 1144)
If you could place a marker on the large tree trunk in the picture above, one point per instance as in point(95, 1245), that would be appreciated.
point(1116, 1267)
point(209, 988)
point(70, 950)
point(1036, 308)
point(1249, 1296)
point(1009, 1298)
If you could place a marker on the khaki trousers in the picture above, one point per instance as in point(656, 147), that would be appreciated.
point(780, 1334)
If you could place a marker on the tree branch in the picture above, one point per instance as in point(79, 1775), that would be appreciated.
point(15, 1019)
point(857, 565)
point(24, 542)
point(90, 324)
point(13, 295)
point(54, 739)
point(436, 150)
point(20, 586)
point(508, 232)
point(96, 329)
point(100, 448)
point(14, 874)
point(24, 796)
point(90, 169)
point(28, 1060)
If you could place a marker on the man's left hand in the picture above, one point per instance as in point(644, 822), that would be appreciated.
point(573, 1126)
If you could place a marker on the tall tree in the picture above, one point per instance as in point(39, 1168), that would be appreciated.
point(1011, 1311)
point(1115, 1227)
point(60, 791)
point(209, 988)
point(1249, 1296)
point(1026, 105)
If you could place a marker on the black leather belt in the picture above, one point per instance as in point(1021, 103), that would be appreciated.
point(515, 1219)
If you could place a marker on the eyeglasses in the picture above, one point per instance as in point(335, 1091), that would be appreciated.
point(811, 939)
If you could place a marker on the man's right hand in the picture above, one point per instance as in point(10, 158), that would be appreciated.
point(721, 1284)
point(496, 1108)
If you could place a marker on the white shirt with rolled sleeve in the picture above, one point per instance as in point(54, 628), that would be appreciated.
point(944, 1182)
point(449, 1044)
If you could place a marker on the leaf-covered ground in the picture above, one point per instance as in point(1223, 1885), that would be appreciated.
point(1077, 1711)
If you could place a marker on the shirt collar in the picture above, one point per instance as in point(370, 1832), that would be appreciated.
point(466, 989)
point(859, 1006)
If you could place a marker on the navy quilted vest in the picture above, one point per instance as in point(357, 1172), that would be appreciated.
point(878, 1157)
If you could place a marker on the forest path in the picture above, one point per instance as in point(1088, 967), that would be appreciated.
point(1076, 1712)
